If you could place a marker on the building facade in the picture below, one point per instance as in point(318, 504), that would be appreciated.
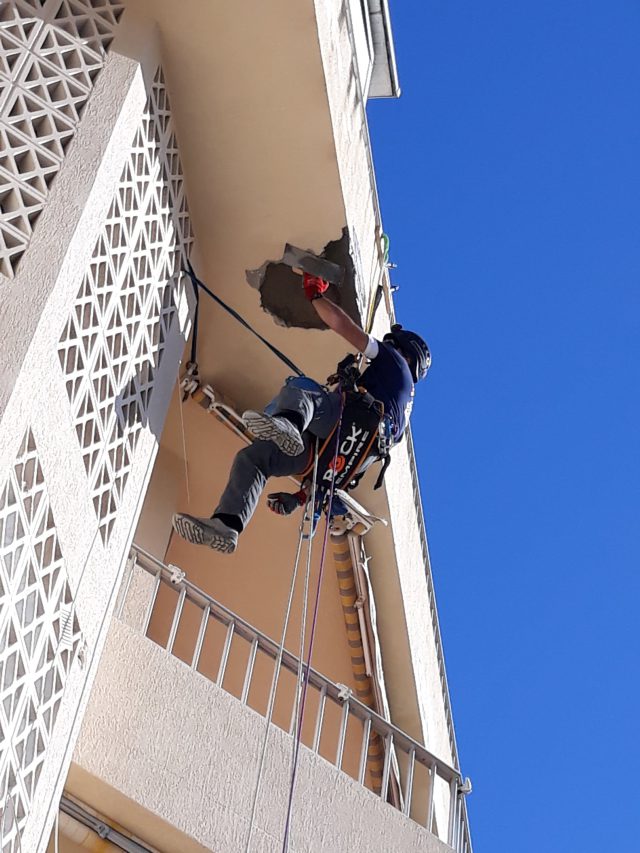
point(151, 690)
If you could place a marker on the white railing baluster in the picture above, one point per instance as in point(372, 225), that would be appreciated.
point(152, 603)
point(432, 790)
point(408, 784)
point(200, 641)
point(386, 771)
point(343, 733)
point(176, 620)
point(364, 751)
point(319, 718)
point(453, 801)
point(460, 826)
point(225, 654)
point(249, 673)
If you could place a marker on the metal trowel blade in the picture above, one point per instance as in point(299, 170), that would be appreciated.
point(303, 259)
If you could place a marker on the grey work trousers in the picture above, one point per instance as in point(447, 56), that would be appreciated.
point(253, 465)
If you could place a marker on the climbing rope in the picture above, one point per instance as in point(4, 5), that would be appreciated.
point(184, 443)
point(195, 281)
point(308, 514)
point(312, 635)
point(303, 670)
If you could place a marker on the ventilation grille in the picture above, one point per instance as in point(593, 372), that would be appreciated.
point(39, 635)
point(115, 336)
point(50, 55)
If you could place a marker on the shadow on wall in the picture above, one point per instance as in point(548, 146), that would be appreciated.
point(282, 296)
point(133, 404)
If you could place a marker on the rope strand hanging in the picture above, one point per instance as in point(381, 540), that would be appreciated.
point(325, 499)
point(276, 674)
point(198, 284)
point(312, 635)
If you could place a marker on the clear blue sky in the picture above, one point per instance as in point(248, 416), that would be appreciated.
point(509, 174)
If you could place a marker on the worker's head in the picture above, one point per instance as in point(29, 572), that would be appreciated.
point(413, 348)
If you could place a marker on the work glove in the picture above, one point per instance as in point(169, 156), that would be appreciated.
point(284, 503)
point(313, 286)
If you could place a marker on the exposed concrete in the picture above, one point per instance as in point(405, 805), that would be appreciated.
point(282, 295)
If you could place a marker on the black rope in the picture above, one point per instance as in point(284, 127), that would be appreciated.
point(200, 284)
point(196, 317)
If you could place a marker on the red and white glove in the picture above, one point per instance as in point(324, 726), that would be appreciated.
point(313, 286)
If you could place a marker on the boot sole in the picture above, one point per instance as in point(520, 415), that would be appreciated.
point(198, 534)
point(266, 430)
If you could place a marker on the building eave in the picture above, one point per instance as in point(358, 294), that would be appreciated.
point(384, 78)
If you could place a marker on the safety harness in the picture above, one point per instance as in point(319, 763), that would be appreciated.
point(365, 434)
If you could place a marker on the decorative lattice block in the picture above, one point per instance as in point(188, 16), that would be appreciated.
point(114, 338)
point(50, 55)
point(39, 635)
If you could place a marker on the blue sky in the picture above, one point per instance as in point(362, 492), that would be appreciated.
point(509, 175)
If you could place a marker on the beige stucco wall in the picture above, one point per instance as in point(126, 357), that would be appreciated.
point(173, 743)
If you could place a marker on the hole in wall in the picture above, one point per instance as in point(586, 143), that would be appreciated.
point(282, 296)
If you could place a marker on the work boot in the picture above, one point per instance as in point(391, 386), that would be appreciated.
point(206, 531)
point(278, 429)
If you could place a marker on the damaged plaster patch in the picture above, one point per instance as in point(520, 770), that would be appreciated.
point(282, 296)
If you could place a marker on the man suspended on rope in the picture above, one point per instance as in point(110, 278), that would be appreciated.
point(305, 413)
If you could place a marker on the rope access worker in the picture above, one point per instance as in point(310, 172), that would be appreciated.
point(305, 413)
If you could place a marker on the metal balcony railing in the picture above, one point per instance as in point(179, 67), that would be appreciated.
point(409, 768)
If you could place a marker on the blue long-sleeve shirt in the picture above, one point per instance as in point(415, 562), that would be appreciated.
point(388, 379)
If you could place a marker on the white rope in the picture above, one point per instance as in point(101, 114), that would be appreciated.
point(278, 662)
point(303, 618)
point(314, 624)
point(184, 441)
point(56, 837)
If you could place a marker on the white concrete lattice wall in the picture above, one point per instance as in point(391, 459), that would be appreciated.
point(93, 323)
point(50, 54)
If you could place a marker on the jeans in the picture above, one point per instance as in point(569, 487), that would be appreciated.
point(253, 465)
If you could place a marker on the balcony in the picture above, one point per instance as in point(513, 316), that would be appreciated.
point(177, 720)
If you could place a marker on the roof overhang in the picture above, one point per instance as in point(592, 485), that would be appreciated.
point(384, 77)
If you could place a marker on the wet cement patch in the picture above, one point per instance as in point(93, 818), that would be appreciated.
point(282, 296)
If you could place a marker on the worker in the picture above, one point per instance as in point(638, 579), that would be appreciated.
point(286, 431)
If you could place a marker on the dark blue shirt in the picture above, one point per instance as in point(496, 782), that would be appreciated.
point(388, 379)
